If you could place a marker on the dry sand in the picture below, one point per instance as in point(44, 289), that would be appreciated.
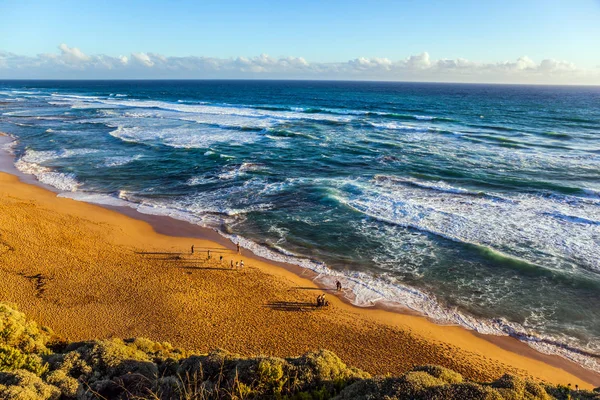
point(89, 272)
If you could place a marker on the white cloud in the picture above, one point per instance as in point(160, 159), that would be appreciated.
point(72, 54)
point(524, 63)
point(420, 61)
point(142, 58)
point(553, 65)
point(70, 62)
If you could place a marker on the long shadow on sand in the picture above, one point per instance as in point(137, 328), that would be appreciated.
point(312, 288)
point(291, 306)
point(205, 268)
point(163, 253)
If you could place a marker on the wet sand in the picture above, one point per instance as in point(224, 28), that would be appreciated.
point(89, 272)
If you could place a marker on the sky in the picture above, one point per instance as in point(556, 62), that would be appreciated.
point(526, 41)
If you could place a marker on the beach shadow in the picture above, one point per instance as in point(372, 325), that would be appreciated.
point(212, 250)
point(313, 288)
point(291, 306)
point(163, 253)
point(184, 262)
point(207, 268)
point(39, 281)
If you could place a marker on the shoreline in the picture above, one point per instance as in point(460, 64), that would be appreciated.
point(172, 227)
point(177, 230)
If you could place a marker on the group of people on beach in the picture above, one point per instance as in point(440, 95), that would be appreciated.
point(321, 302)
point(239, 250)
point(238, 264)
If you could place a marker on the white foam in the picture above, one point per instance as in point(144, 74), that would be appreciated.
point(97, 198)
point(34, 156)
point(399, 127)
point(496, 221)
point(440, 185)
point(592, 192)
point(31, 163)
point(81, 105)
point(224, 110)
point(8, 143)
point(75, 96)
point(13, 92)
point(220, 115)
point(233, 172)
point(64, 182)
point(200, 180)
point(183, 137)
point(117, 161)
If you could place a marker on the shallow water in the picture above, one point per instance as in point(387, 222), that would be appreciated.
point(473, 204)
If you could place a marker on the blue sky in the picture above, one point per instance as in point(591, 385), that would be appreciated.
point(318, 31)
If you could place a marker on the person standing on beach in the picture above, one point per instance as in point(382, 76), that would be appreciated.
point(237, 264)
point(338, 285)
point(238, 249)
point(208, 254)
point(192, 249)
point(242, 264)
point(231, 263)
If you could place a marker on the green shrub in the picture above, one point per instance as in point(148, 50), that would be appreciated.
point(209, 366)
point(368, 389)
point(71, 363)
point(445, 374)
point(68, 385)
point(535, 391)
point(159, 351)
point(412, 383)
point(25, 385)
point(511, 387)
point(12, 359)
point(25, 335)
point(324, 365)
point(460, 391)
point(271, 375)
point(241, 391)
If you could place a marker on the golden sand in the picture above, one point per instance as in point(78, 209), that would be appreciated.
point(88, 272)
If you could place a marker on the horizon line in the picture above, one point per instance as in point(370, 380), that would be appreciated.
point(289, 80)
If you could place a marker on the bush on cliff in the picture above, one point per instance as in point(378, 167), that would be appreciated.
point(34, 365)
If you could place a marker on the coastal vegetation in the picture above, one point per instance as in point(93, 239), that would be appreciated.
point(37, 364)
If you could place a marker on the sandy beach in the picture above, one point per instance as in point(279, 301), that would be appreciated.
point(89, 272)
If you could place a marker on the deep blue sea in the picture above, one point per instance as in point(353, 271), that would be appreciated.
point(472, 204)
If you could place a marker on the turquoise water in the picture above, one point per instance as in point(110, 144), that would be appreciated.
point(472, 204)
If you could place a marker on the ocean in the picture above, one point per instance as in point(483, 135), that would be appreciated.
point(476, 205)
